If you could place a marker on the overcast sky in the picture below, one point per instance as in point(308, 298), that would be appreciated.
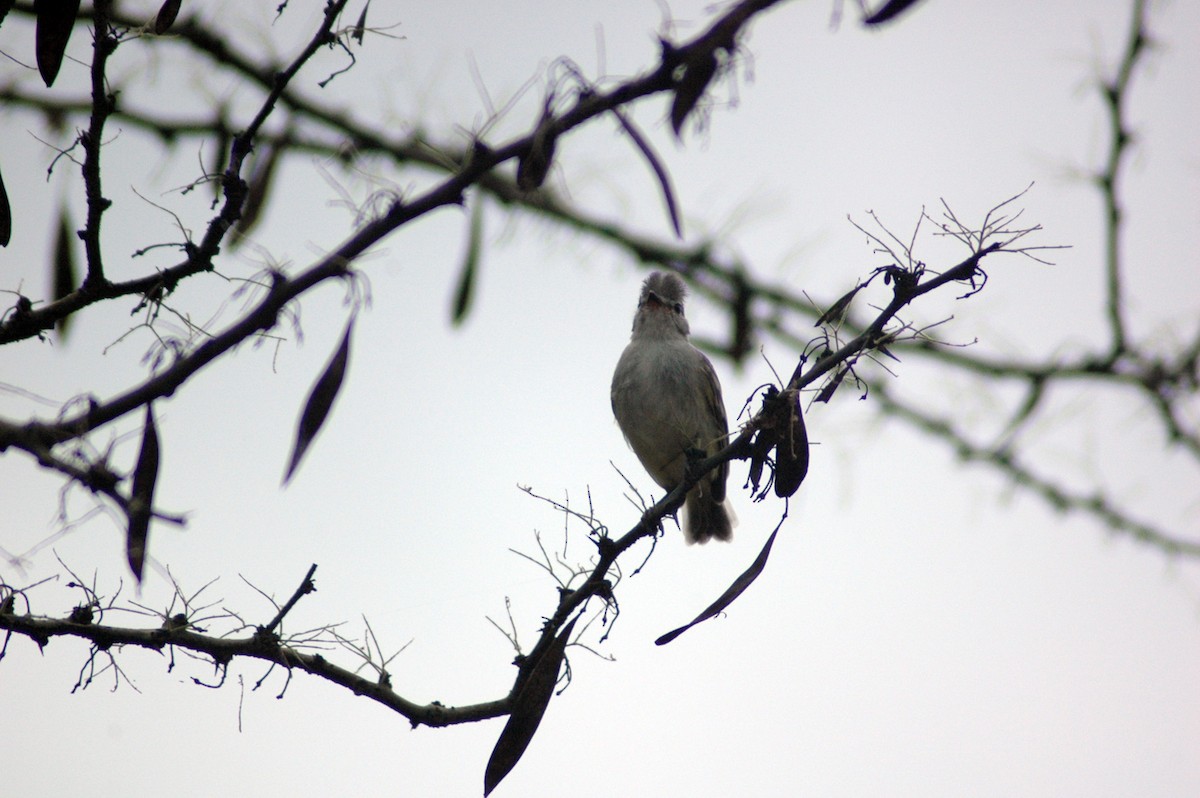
point(923, 628)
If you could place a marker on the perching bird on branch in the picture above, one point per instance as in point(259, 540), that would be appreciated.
point(667, 400)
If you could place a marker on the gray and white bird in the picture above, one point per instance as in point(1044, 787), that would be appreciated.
point(667, 400)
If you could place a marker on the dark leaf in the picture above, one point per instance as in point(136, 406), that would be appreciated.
point(65, 276)
point(837, 310)
point(55, 21)
point(360, 27)
point(535, 164)
point(470, 268)
point(528, 709)
point(736, 589)
point(664, 179)
point(320, 400)
point(698, 71)
point(166, 16)
point(141, 499)
point(890, 10)
point(791, 455)
point(5, 216)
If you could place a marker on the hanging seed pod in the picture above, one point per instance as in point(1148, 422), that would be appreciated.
point(320, 401)
point(791, 453)
point(730, 595)
point(166, 16)
point(55, 21)
point(63, 269)
point(528, 709)
point(5, 216)
point(141, 499)
point(465, 291)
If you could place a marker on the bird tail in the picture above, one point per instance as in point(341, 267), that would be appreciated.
point(704, 518)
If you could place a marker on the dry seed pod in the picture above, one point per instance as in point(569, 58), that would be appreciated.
point(465, 291)
point(5, 216)
point(63, 267)
point(730, 595)
point(166, 16)
point(141, 499)
point(320, 401)
point(791, 454)
point(528, 708)
point(55, 21)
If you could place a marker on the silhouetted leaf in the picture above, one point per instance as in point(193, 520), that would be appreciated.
point(166, 16)
point(736, 589)
point(320, 400)
point(360, 27)
point(698, 71)
point(890, 10)
point(141, 499)
point(470, 268)
point(5, 216)
point(55, 21)
point(791, 454)
point(65, 275)
point(528, 709)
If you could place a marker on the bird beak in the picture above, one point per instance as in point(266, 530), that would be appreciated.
point(652, 299)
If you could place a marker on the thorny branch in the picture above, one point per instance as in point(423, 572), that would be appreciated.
point(758, 307)
point(179, 631)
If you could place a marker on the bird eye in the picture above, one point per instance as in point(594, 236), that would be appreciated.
point(679, 308)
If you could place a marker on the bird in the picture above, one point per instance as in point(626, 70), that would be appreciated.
point(667, 401)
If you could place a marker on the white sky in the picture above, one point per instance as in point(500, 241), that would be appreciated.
point(921, 629)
